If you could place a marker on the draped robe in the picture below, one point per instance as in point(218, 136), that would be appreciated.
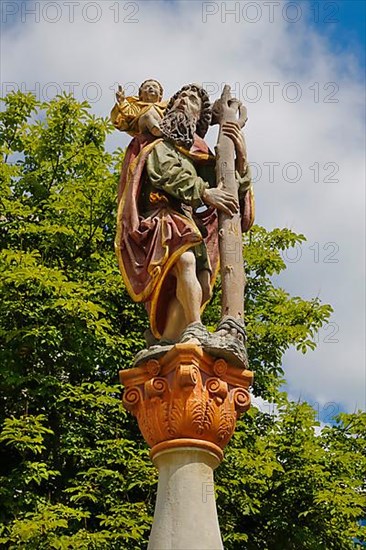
point(159, 192)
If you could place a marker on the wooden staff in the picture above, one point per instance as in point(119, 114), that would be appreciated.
point(227, 109)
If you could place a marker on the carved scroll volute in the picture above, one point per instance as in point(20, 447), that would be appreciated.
point(241, 399)
point(187, 376)
point(156, 387)
point(217, 388)
point(220, 367)
point(132, 399)
point(153, 367)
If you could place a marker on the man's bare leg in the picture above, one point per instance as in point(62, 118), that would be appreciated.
point(204, 278)
point(185, 308)
point(176, 321)
point(189, 291)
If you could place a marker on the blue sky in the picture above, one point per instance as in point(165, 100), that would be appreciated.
point(342, 21)
point(347, 33)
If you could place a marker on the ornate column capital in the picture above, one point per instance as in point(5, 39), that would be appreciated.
point(186, 398)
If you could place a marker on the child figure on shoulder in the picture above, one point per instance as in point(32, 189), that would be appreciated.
point(142, 114)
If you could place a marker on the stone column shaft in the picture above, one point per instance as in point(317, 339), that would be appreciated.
point(185, 512)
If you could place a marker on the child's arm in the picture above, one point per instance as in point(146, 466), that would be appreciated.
point(149, 122)
point(124, 111)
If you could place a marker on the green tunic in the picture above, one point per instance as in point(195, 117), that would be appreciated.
point(174, 173)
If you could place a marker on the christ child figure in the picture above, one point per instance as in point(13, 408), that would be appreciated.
point(142, 114)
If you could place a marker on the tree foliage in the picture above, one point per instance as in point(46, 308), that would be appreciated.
point(74, 470)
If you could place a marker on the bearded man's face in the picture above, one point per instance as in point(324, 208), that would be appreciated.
point(179, 124)
point(190, 103)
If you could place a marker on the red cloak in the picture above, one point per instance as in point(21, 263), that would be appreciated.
point(148, 244)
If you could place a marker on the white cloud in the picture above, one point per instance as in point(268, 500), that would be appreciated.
point(170, 42)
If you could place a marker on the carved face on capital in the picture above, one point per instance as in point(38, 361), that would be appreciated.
point(150, 91)
point(190, 103)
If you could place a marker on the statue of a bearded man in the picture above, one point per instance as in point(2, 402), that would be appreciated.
point(167, 236)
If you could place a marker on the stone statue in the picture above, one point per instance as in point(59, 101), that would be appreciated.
point(138, 115)
point(167, 239)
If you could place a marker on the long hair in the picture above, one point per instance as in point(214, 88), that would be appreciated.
point(206, 110)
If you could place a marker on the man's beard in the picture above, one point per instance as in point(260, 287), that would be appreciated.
point(177, 127)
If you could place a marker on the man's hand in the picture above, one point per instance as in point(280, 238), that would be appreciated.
point(120, 95)
point(222, 200)
point(232, 130)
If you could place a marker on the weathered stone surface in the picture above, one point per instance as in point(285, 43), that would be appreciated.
point(228, 342)
point(185, 512)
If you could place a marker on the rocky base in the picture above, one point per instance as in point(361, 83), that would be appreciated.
point(227, 342)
